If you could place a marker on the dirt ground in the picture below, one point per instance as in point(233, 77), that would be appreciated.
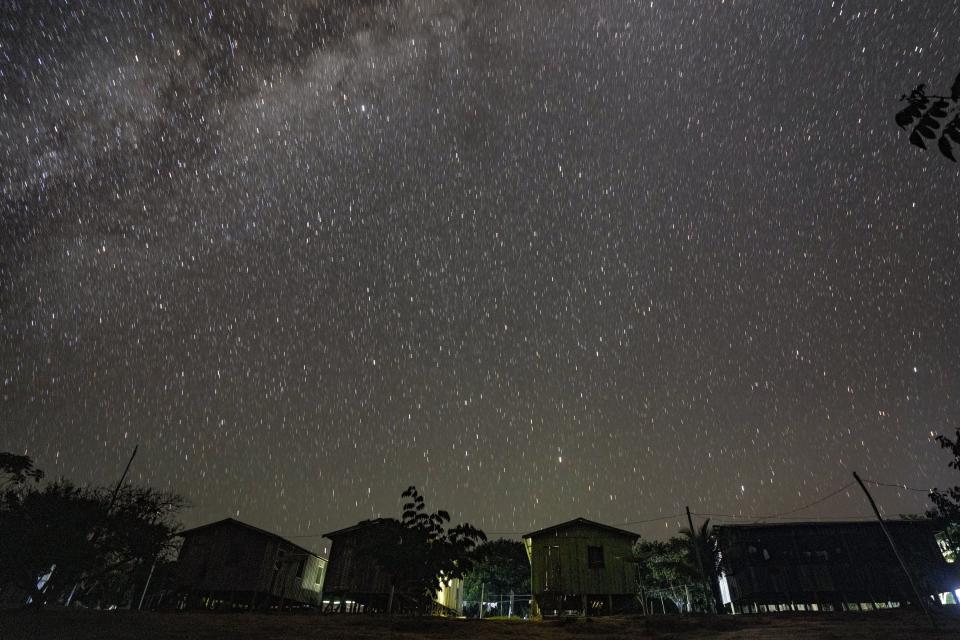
point(53, 624)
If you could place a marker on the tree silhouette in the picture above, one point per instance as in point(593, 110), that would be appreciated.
point(418, 552)
point(75, 534)
point(500, 567)
point(703, 541)
point(47, 530)
point(933, 117)
point(948, 502)
point(17, 469)
point(664, 567)
point(671, 567)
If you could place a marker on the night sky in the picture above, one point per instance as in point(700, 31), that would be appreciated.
point(540, 259)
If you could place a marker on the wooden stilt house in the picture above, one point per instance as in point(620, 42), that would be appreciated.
point(355, 583)
point(581, 566)
point(833, 566)
point(229, 564)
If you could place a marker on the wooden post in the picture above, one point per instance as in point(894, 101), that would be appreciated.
point(273, 577)
point(482, 588)
point(147, 586)
point(873, 505)
point(284, 571)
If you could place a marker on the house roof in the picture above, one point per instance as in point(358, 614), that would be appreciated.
point(583, 522)
point(236, 523)
point(356, 527)
point(827, 523)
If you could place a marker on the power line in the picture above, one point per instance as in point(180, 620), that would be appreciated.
point(897, 486)
point(518, 533)
point(794, 518)
point(676, 515)
point(810, 504)
point(782, 514)
point(631, 522)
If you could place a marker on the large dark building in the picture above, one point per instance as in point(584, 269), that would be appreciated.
point(231, 564)
point(831, 566)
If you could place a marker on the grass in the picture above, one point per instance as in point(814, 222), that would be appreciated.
point(60, 624)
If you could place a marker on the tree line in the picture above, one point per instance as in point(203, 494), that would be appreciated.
point(64, 543)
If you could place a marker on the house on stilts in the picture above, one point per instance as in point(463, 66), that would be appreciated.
point(581, 566)
point(833, 566)
point(229, 564)
point(355, 583)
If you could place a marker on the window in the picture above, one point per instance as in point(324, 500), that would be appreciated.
point(595, 557)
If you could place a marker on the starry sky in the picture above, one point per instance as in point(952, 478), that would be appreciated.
point(541, 259)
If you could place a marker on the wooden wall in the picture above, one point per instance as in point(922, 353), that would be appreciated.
point(349, 571)
point(231, 560)
point(558, 562)
point(224, 559)
point(831, 563)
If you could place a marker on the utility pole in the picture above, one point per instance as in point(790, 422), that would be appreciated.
point(703, 574)
point(482, 587)
point(126, 470)
point(113, 501)
point(883, 525)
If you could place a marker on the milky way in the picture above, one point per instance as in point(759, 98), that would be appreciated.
point(540, 259)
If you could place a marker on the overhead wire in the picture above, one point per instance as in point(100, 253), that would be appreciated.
point(810, 504)
point(622, 524)
point(504, 533)
point(897, 486)
point(783, 515)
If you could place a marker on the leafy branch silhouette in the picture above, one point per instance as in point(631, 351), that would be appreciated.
point(933, 117)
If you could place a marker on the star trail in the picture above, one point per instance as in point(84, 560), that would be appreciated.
point(540, 259)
